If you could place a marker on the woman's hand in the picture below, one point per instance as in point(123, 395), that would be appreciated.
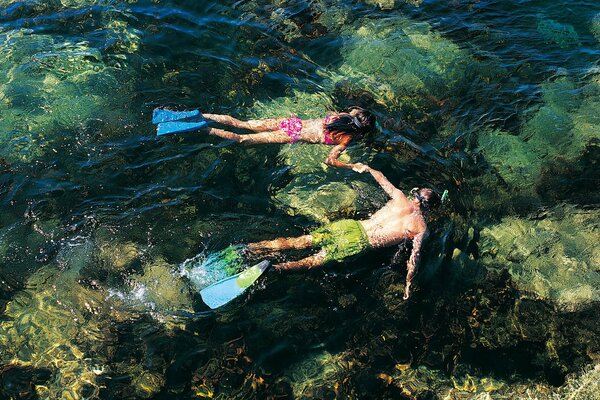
point(360, 168)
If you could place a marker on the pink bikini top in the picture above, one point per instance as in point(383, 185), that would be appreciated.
point(326, 135)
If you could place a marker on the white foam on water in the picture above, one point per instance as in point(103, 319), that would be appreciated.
point(204, 269)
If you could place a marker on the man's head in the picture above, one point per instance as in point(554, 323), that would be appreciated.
point(426, 198)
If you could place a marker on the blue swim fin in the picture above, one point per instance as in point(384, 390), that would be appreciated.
point(163, 115)
point(165, 128)
point(222, 292)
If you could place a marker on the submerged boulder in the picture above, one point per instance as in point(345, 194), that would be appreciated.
point(314, 190)
point(595, 28)
point(555, 258)
point(402, 64)
point(50, 85)
point(561, 129)
point(55, 324)
point(161, 288)
point(564, 35)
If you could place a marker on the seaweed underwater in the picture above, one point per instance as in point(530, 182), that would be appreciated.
point(106, 232)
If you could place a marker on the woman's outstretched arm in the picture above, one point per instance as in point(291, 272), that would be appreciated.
point(256, 125)
point(333, 157)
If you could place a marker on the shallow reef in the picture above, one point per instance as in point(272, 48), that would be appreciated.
point(562, 130)
point(52, 85)
point(554, 256)
point(55, 324)
point(101, 223)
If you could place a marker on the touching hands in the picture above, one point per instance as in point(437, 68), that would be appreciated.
point(360, 168)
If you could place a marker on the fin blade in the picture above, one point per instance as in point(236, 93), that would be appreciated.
point(222, 292)
point(163, 115)
point(166, 128)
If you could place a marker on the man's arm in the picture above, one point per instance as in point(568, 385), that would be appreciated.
point(413, 261)
point(385, 184)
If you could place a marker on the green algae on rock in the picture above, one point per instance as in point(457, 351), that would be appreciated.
point(163, 290)
point(52, 86)
point(562, 128)
point(56, 324)
point(401, 63)
point(555, 258)
point(564, 35)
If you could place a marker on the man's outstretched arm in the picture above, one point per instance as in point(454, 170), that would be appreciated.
point(413, 261)
point(385, 184)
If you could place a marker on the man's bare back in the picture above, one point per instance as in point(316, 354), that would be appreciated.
point(398, 220)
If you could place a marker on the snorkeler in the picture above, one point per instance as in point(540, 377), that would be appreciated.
point(401, 218)
point(335, 129)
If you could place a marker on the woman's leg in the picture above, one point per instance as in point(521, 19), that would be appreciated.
point(306, 263)
point(256, 125)
point(278, 136)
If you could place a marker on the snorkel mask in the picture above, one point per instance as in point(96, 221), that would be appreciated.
point(357, 122)
point(414, 194)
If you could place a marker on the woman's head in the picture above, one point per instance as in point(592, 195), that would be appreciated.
point(356, 121)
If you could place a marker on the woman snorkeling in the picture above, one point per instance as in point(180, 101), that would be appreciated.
point(337, 130)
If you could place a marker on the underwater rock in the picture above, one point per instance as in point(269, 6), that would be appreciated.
point(147, 384)
point(55, 324)
point(564, 35)
point(595, 28)
point(50, 86)
point(555, 258)
point(161, 288)
point(422, 382)
point(400, 62)
point(524, 165)
point(382, 4)
point(316, 191)
point(118, 256)
point(318, 376)
point(563, 128)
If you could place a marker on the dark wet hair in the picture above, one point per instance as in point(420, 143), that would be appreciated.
point(429, 199)
point(359, 126)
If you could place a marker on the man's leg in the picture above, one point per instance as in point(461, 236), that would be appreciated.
point(306, 263)
point(279, 244)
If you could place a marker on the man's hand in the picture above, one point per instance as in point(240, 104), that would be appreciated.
point(406, 292)
point(360, 168)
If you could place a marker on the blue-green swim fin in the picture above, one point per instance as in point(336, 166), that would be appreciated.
point(163, 115)
point(222, 292)
point(165, 128)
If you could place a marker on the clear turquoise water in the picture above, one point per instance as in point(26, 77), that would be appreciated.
point(105, 229)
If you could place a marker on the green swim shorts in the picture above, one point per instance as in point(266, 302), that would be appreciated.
point(341, 239)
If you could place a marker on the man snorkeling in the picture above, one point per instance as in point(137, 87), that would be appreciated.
point(401, 218)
